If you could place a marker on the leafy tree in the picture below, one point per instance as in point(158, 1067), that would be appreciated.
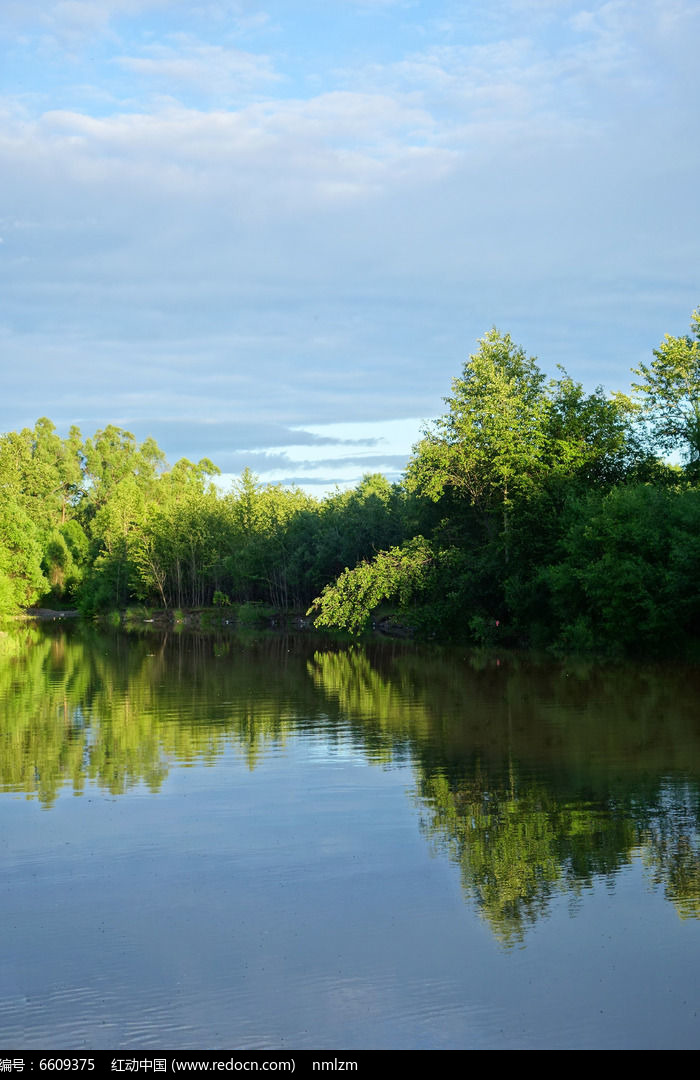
point(114, 529)
point(627, 578)
point(346, 528)
point(65, 556)
point(491, 445)
point(21, 579)
point(58, 564)
point(58, 467)
point(508, 432)
point(112, 456)
point(589, 436)
point(670, 392)
point(185, 476)
point(42, 471)
point(396, 574)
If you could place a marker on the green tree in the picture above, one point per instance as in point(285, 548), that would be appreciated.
point(491, 444)
point(58, 464)
point(670, 393)
point(43, 472)
point(21, 579)
point(628, 572)
point(115, 529)
point(112, 456)
point(589, 436)
point(398, 574)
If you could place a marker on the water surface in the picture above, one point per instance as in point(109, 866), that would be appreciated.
point(220, 843)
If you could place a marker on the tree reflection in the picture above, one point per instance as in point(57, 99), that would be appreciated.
point(516, 846)
point(537, 781)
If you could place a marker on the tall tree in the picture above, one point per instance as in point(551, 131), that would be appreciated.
point(21, 578)
point(590, 436)
point(111, 456)
point(58, 468)
point(491, 444)
point(670, 392)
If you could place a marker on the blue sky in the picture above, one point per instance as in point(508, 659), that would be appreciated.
point(272, 233)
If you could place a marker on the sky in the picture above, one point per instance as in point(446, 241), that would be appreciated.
point(272, 233)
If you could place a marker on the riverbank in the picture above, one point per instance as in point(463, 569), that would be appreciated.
point(49, 613)
point(238, 616)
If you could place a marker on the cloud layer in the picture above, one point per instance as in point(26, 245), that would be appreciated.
point(223, 214)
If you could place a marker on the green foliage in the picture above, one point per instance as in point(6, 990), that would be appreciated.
point(589, 438)
point(509, 435)
point(628, 578)
point(491, 443)
point(22, 581)
point(398, 574)
point(484, 631)
point(42, 473)
point(107, 583)
point(113, 456)
point(532, 513)
point(670, 393)
point(253, 614)
point(76, 541)
point(511, 440)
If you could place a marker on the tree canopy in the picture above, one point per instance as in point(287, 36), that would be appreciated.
point(670, 393)
point(491, 443)
point(532, 512)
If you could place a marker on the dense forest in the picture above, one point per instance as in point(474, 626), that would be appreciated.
point(531, 513)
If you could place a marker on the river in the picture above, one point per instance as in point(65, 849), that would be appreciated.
point(270, 841)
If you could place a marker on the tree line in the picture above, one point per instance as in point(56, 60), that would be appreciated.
point(530, 513)
point(104, 522)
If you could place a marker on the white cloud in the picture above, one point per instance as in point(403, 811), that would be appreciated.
point(520, 79)
point(266, 158)
point(75, 25)
point(68, 24)
point(266, 258)
point(223, 73)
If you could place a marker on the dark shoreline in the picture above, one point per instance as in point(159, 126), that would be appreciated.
point(48, 613)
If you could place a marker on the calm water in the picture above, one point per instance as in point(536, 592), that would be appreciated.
point(231, 843)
